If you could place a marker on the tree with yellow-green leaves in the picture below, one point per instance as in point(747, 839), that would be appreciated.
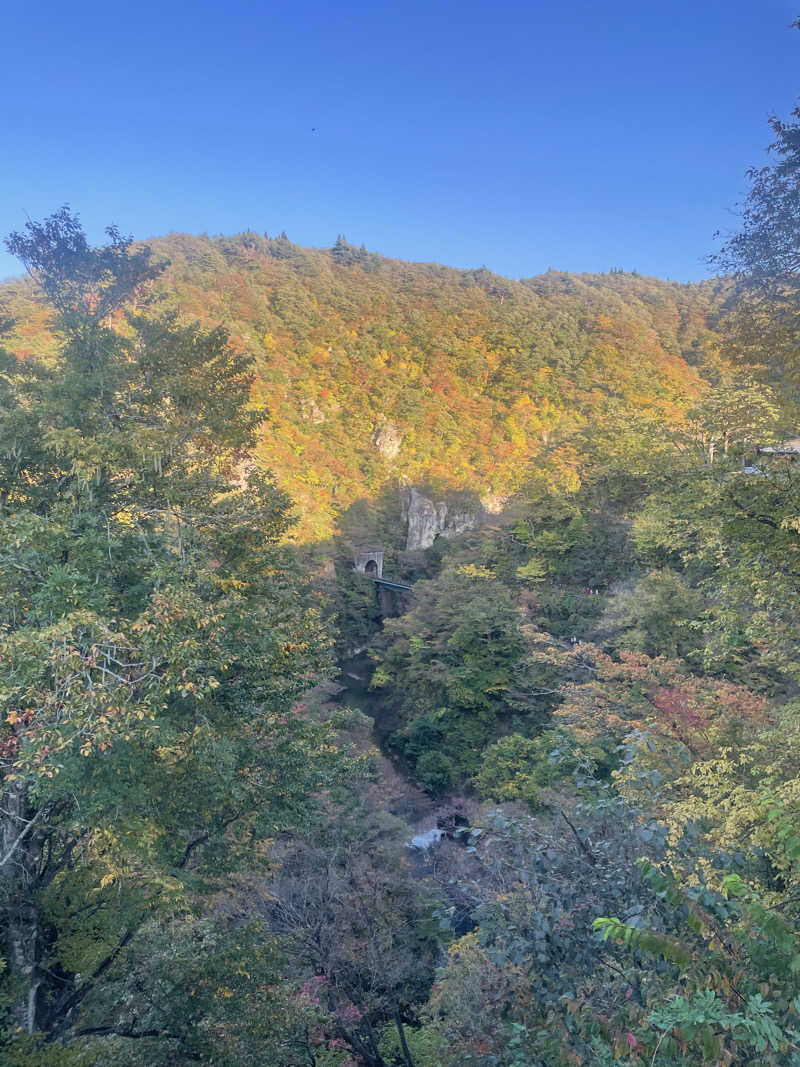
point(151, 647)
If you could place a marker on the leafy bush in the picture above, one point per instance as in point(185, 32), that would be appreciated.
point(435, 771)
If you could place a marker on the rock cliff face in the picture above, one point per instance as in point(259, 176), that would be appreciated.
point(428, 520)
point(388, 440)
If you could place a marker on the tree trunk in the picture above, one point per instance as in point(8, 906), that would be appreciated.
point(366, 1047)
point(21, 844)
point(402, 1035)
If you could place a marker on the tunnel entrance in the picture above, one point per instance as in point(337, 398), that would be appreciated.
point(368, 559)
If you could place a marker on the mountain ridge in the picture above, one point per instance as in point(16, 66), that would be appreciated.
point(370, 370)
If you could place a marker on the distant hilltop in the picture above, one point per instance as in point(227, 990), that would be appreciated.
point(372, 371)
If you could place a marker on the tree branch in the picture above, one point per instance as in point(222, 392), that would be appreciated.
point(583, 846)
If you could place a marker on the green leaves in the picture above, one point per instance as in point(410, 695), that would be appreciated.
point(455, 661)
point(153, 641)
point(705, 1014)
point(737, 965)
point(649, 941)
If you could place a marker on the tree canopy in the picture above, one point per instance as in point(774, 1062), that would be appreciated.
point(154, 638)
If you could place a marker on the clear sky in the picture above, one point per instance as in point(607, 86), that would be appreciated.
point(516, 135)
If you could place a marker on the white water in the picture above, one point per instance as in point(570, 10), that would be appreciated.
point(424, 840)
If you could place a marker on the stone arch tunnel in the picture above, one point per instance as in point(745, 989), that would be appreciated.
point(369, 560)
point(392, 596)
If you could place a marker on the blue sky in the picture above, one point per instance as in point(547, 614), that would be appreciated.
point(515, 135)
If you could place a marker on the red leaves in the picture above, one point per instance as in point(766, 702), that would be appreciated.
point(9, 747)
point(657, 695)
point(679, 714)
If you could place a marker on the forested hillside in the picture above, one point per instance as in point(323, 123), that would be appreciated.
point(535, 805)
point(369, 369)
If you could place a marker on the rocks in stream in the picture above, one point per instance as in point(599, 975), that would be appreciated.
point(452, 824)
point(449, 824)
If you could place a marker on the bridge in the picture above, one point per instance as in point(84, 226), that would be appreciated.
point(396, 586)
point(368, 560)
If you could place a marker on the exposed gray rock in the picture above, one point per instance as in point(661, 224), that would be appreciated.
point(428, 520)
point(388, 440)
point(311, 411)
point(493, 503)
